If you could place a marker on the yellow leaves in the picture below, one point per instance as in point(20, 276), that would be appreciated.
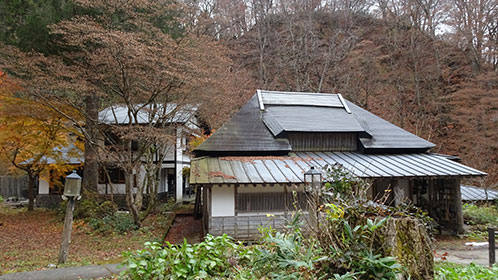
point(30, 132)
point(196, 141)
point(333, 211)
point(54, 172)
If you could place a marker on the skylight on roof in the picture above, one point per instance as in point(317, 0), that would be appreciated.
point(300, 99)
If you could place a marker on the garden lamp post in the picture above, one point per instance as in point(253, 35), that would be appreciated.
point(313, 179)
point(313, 183)
point(72, 190)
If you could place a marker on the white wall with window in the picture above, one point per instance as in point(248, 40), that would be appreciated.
point(254, 199)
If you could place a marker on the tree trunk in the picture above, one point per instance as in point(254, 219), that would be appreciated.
point(152, 184)
point(31, 191)
point(91, 168)
point(150, 206)
point(130, 200)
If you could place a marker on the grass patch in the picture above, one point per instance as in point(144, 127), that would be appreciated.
point(31, 240)
point(480, 214)
point(479, 218)
point(452, 271)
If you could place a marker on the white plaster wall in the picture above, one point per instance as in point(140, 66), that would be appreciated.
point(167, 165)
point(223, 201)
point(170, 154)
point(43, 187)
point(117, 188)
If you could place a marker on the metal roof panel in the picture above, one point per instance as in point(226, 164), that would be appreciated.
point(385, 135)
point(275, 171)
point(238, 171)
point(290, 169)
point(264, 172)
point(353, 166)
point(475, 193)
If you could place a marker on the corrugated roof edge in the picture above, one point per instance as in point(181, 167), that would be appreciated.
point(290, 168)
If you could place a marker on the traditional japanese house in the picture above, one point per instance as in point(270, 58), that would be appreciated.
point(183, 123)
point(248, 168)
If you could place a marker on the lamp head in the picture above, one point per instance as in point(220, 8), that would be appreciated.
point(72, 187)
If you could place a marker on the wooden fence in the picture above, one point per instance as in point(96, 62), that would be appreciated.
point(13, 186)
point(246, 227)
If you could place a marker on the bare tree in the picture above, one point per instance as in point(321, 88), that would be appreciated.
point(123, 57)
point(473, 23)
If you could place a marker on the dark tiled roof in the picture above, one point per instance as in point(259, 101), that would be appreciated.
point(245, 132)
point(385, 135)
point(254, 128)
point(309, 119)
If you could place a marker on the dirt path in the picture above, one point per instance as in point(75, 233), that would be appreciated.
point(455, 251)
point(185, 226)
point(477, 256)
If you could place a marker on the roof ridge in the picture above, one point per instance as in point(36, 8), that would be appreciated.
point(298, 92)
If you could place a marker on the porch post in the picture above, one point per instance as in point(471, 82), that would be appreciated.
point(235, 202)
point(179, 165)
point(205, 208)
point(286, 200)
point(458, 206)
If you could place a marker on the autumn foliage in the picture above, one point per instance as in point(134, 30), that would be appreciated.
point(397, 59)
point(32, 137)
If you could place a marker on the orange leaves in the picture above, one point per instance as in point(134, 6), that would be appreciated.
point(30, 132)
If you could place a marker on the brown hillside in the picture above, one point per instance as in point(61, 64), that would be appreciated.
point(422, 84)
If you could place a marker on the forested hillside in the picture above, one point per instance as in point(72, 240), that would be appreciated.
point(429, 66)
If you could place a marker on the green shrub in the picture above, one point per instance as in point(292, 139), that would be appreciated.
point(101, 216)
point(121, 222)
point(211, 258)
point(378, 267)
point(285, 255)
point(116, 222)
point(106, 208)
point(480, 215)
point(449, 271)
point(344, 242)
point(1, 199)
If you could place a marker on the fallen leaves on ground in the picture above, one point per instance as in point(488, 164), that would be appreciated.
point(31, 240)
point(185, 226)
